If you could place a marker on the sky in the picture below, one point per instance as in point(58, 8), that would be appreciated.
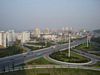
point(55, 14)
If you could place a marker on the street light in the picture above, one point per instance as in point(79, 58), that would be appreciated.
point(88, 39)
point(69, 44)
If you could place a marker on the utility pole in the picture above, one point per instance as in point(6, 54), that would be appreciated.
point(87, 41)
point(69, 45)
point(45, 43)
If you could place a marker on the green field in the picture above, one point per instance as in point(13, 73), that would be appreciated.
point(63, 56)
point(11, 50)
point(85, 48)
point(53, 71)
point(33, 48)
point(38, 44)
point(39, 61)
point(97, 65)
point(41, 44)
point(91, 47)
point(97, 39)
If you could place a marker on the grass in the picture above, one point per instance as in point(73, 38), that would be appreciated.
point(62, 42)
point(39, 61)
point(91, 47)
point(34, 48)
point(11, 50)
point(84, 47)
point(40, 44)
point(96, 39)
point(63, 56)
point(53, 71)
point(97, 65)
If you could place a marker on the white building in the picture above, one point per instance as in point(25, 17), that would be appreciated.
point(24, 36)
point(10, 35)
point(47, 31)
point(3, 38)
point(37, 32)
point(49, 36)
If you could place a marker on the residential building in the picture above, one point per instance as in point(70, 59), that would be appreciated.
point(3, 38)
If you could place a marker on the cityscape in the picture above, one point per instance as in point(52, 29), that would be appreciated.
point(36, 39)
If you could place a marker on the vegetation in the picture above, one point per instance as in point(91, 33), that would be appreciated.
point(39, 61)
point(97, 31)
point(96, 39)
point(53, 71)
point(33, 48)
point(97, 65)
point(62, 42)
point(38, 43)
point(63, 56)
point(90, 48)
point(42, 44)
point(11, 50)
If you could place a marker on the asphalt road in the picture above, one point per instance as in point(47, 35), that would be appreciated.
point(14, 60)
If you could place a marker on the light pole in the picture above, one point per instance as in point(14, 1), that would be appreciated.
point(87, 41)
point(45, 43)
point(69, 45)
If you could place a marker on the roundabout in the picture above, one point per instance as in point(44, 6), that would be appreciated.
point(61, 57)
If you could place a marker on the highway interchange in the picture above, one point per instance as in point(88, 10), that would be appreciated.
point(14, 60)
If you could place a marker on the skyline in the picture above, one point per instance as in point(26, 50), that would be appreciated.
point(54, 14)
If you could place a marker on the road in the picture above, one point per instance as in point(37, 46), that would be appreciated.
point(14, 60)
point(48, 66)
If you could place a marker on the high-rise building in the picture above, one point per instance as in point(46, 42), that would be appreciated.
point(3, 38)
point(10, 37)
point(47, 31)
point(24, 36)
point(37, 32)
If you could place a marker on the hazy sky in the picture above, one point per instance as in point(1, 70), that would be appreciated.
point(28, 14)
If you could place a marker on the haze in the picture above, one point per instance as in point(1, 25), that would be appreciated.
point(28, 14)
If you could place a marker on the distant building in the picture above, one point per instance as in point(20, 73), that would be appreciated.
point(23, 37)
point(3, 38)
point(10, 35)
point(49, 36)
point(36, 32)
point(47, 31)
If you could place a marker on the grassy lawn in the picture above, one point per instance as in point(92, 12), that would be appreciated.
point(63, 56)
point(11, 50)
point(91, 47)
point(39, 61)
point(41, 44)
point(62, 42)
point(34, 48)
point(97, 39)
point(85, 48)
point(97, 54)
point(53, 71)
point(97, 65)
